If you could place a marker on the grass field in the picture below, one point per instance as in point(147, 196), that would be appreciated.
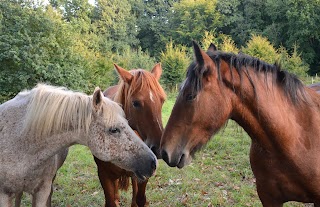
point(219, 176)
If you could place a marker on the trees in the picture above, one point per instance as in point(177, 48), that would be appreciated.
point(115, 25)
point(36, 47)
point(261, 48)
point(152, 23)
point(242, 18)
point(301, 28)
point(73, 43)
point(190, 19)
point(284, 23)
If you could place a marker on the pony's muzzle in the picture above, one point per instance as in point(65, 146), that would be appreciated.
point(146, 168)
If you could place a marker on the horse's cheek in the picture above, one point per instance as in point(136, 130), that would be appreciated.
point(99, 144)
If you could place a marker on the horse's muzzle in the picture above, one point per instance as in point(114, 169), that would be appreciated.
point(147, 168)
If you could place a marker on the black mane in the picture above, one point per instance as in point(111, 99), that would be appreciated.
point(291, 85)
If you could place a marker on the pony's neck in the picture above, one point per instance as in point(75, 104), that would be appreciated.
point(47, 147)
point(265, 113)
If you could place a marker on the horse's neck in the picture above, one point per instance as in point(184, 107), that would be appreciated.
point(269, 117)
point(28, 148)
point(45, 148)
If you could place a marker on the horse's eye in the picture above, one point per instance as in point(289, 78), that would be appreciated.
point(136, 104)
point(190, 97)
point(114, 130)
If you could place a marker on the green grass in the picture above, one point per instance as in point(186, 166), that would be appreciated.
point(220, 175)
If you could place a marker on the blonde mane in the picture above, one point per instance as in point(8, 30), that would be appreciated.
point(141, 79)
point(56, 109)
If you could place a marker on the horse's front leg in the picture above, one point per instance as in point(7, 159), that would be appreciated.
point(110, 192)
point(109, 184)
point(139, 198)
point(266, 195)
point(18, 198)
point(40, 198)
point(6, 199)
point(50, 197)
point(134, 191)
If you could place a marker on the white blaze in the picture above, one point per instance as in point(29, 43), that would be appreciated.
point(151, 96)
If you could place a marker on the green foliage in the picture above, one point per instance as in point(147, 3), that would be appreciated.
point(190, 19)
point(152, 24)
point(222, 41)
point(228, 45)
point(115, 25)
point(133, 59)
point(284, 23)
point(74, 43)
point(36, 47)
point(293, 63)
point(174, 63)
point(303, 29)
point(242, 18)
point(261, 48)
point(208, 38)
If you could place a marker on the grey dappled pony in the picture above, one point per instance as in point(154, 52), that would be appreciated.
point(36, 125)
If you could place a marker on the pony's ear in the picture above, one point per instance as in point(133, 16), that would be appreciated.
point(97, 99)
point(212, 47)
point(199, 54)
point(125, 75)
point(157, 71)
point(201, 59)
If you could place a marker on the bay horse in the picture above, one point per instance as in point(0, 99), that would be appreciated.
point(142, 97)
point(279, 113)
point(37, 124)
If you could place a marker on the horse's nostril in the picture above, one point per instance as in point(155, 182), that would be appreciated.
point(165, 156)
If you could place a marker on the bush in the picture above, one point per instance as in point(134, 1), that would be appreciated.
point(208, 38)
point(222, 42)
point(228, 45)
point(133, 59)
point(174, 63)
point(36, 46)
point(293, 63)
point(261, 48)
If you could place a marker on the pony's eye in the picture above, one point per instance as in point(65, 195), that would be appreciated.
point(136, 104)
point(114, 130)
point(190, 97)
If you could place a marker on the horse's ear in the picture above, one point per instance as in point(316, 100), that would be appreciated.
point(97, 99)
point(125, 75)
point(200, 55)
point(157, 71)
point(197, 53)
point(212, 47)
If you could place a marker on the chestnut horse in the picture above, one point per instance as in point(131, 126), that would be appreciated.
point(141, 97)
point(278, 112)
point(36, 125)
